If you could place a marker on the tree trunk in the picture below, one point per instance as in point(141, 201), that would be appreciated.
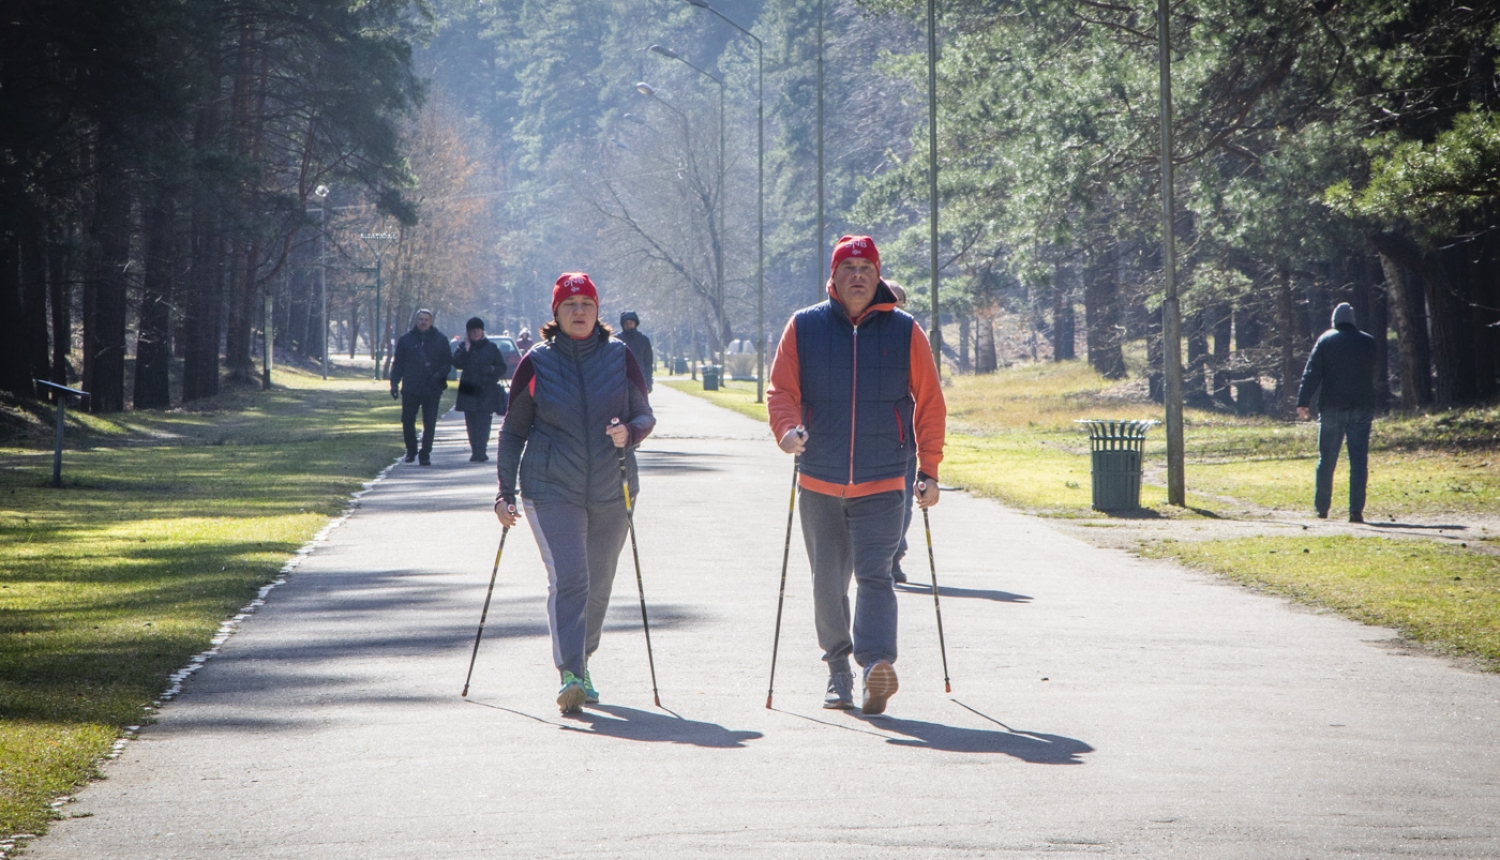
point(1288, 374)
point(1406, 307)
point(965, 334)
point(985, 359)
point(153, 345)
point(60, 295)
point(1195, 383)
point(1249, 396)
point(1369, 306)
point(15, 375)
point(1063, 323)
point(34, 297)
point(203, 302)
point(105, 286)
point(1102, 308)
point(1221, 323)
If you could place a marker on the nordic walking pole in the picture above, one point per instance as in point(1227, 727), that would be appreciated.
point(485, 613)
point(942, 647)
point(786, 550)
point(635, 554)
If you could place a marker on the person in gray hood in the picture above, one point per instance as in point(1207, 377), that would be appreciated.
point(1341, 369)
point(578, 404)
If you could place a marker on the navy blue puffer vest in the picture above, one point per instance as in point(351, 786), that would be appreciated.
point(579, 385)
point(856, 394)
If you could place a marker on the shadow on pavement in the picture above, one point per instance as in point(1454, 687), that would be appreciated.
point(1420, 526)
point(632, 724)
point(975, 593)
point(673, 461)
point(1032, 747)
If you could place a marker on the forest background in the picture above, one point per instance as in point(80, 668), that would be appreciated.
point(178, 177)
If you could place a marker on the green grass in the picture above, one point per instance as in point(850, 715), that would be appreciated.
point(1442, 596)
point(739, 396)
point(167, 523)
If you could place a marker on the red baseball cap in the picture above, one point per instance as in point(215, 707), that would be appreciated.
point(855, 246)
point(570, 284)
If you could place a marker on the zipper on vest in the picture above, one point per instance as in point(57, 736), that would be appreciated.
point(853, 402)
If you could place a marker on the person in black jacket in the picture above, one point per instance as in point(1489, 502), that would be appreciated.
point(419, 375)
point(1342, 370)
point(640, 345)
point(577, 406)
point(479, 391)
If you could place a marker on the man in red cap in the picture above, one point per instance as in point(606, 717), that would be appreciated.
point(855, 394)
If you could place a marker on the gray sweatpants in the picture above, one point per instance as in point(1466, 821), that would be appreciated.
point(580, 544)
point(853, 537)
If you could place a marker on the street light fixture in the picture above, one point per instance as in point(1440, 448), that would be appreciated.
point(760, 263)
point(719, 243)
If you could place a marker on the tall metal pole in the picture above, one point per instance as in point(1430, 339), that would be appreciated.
point(323, 278)
point(723, 199)
point(819, 263)
point(1171, 311)
point(377, 334)
point(936, 332)
point(760, 264)
point(760, 259)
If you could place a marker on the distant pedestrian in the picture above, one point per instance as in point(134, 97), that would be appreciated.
point(561, 441)
point(419, 376)
point(640, 345)
point(859, 375)
point(523, 341)
point(479, 391)
point(1341, 369)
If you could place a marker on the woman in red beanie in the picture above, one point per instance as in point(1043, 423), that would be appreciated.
point(577, 397)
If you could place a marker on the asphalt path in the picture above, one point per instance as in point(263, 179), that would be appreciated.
point(1102, 705)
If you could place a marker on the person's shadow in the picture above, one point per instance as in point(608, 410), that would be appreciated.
point(636, 725)
point(1033, 747)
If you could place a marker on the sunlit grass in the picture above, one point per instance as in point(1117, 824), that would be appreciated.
point(1445, 597)
point(167, 523)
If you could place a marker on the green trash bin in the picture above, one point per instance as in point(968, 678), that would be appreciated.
point(680, 366)
point(1116, 447)
point(711, 377)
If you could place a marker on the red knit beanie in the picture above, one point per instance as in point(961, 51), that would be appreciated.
point(855, 246)
point(570, 284)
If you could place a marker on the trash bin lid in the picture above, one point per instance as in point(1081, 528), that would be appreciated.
point(1108, 428)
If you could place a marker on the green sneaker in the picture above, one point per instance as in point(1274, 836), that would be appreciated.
point(590, 695)
point(571, 697)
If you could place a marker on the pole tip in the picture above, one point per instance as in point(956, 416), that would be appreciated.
point(768, 701)
point(465, 693)
point(947, 687)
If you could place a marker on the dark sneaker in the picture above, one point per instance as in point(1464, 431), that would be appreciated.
point(590, 695)
point(424, 459)
point(477, 458)
point(411, 457)
point(897, 573)
point(840, 695)
point(1356, 518)
point(880, 686)
point(571, 697)
point(1322, 515)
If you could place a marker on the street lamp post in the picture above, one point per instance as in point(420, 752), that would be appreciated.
point(719, 242)
point(1171, 311)
point(377, 334)
point(321, 192)
point(760, 264)
point(932, 180)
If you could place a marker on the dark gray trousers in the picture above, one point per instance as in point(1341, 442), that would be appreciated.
point(580, 544)
point(853, 538)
